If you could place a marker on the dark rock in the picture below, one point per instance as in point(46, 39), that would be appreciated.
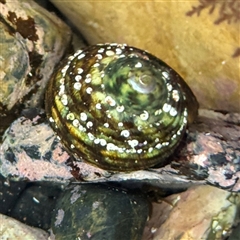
point(9, 192)
point(94, 211)
point(35, 204)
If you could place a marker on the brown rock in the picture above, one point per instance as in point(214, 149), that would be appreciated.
point(33, 41)
point(199, 39)
point(13, 229)
point(202, 212)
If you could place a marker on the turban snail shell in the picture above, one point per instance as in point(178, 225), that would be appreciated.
point(119, 107)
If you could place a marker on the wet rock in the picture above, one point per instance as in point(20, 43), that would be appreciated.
point(13, 229)
point(212, 151)
point(208, 155)
point(99, 212)
point(35, 204)
point(202, 212)
point(30, 152)
point(29, 202)
point(32, 43)
point(9, 193)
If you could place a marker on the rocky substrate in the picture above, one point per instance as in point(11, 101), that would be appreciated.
point(45, 193)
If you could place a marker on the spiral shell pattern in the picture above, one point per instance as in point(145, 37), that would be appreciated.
point(119, 107)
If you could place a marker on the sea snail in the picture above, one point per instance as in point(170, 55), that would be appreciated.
point(118, 107)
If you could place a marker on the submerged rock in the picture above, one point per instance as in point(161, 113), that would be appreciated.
point(94, 211)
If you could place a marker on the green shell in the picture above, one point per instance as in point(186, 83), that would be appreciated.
point(119, 107)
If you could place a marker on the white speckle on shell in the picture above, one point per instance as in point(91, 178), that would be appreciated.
point(77, 85)
point(64, 69)
point(118, 51)
point(158, 112)
point(110, 101)
point(89, 90)
point(83, 116)
point(174, 136)
point(101, 50)
point(96, 65)
point(89, 124)
point(64, 99)
point(165, 74)
point(138, 65)
point(150, 149)
point(96, 140)
point(103, 142)
point(98, 106)
point(165, 144)
point(169, 87)
point(78, 78)
point(80, 70)
point(175, 95)
point(158, 146)
point(109, 53)
point(120, 108)
point(166, 107)
point(133, 143)
point(61, 81)
point(75, 123)
point(173, 112)
point(125, 133)
point(111, 147)
point(120, 124)
point(82, 128)
point(51, 120)
point(81, 56)
point(88, 79)
point(76, 54)
point(99, 56)
point(144, 116)
point(139, 151)
point(90, 136)
point(61, 90)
